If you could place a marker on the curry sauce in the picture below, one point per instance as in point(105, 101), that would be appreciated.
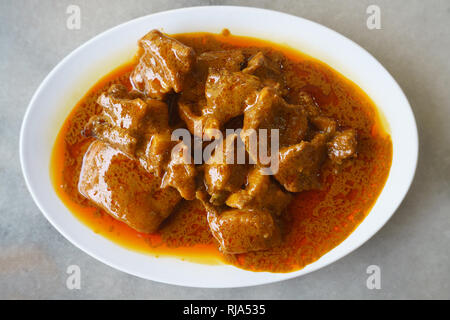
point(315, 221)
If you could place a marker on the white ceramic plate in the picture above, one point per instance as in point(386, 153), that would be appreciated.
point(73, 76)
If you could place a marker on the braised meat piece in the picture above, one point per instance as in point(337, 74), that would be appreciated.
point(230, 60)
point(154, 152)
point(159, 156)
point(239, 231)
point(342, 146)
point(136, 127)
point(309, 105)
point(190, 113)
point(140, 129)
point(192, 101)
point(222, 172)
point(163, 65)
point(181, 172)
point(121, 120)
point(227, 96)
point(155, 143)
point(269, 71)
point(168, 159)
point(260, 193)
point(271, 112)
point(126, 191)
point(227, 92)
point(122, 109)
point(299, 165)
point(325, 125)
point(99, 128)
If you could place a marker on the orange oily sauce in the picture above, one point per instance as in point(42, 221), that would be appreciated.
point(316, 221)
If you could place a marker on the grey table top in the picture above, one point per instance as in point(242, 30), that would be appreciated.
point(412, 250)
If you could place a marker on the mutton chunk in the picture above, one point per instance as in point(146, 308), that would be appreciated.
point(192, 100)
point(268, 70)
point(223, 173)
point(325, 125)
point(190, 112)
point(240, 231)
point(129, 123)
point(227, 96)
point(116, 137)
point(342, 146)
point(155, 142)
point(260, 193)
point(190, 104)
point(121, 120)
point(180, 172)
point(162, 156)
point(300, 164)
point(123, 109)
point(271, 112)
point(308, 104)
point(163, 65)
point(154, 152)
point(229, 93)
point(105, 176)
point(230, 60)
point(140, 129)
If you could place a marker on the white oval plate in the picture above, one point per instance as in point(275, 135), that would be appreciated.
point(74, 75)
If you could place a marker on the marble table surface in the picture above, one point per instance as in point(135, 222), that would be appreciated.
point(412, 250)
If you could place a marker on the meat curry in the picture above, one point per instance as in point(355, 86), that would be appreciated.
point(115, 166)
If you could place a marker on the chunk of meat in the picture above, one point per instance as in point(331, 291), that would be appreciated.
point(300, 164)
point(309, 104)
point(271, 112)
point(121, 119)
point(129, 123)
point(230, 60)
point(268, 71)
point(104, 181)
point(222, 172)
point(155, 143)
point(260, 193)
point(121, 109)
point(342, 146)
point(157, 117)
point(190, 111)
point(325, 125)
point(240, 231)
point(228, 94)
point(163, 65)
point(141, 131)
point(99, 128)
point(154, 152)
point(169, 159)
point(181, 172)
point(192, 101)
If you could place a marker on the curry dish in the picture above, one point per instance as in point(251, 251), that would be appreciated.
point(117, 166)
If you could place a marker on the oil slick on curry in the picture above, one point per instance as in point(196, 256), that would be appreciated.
point(113, 164)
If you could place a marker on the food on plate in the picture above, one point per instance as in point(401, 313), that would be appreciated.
point(223, 145)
